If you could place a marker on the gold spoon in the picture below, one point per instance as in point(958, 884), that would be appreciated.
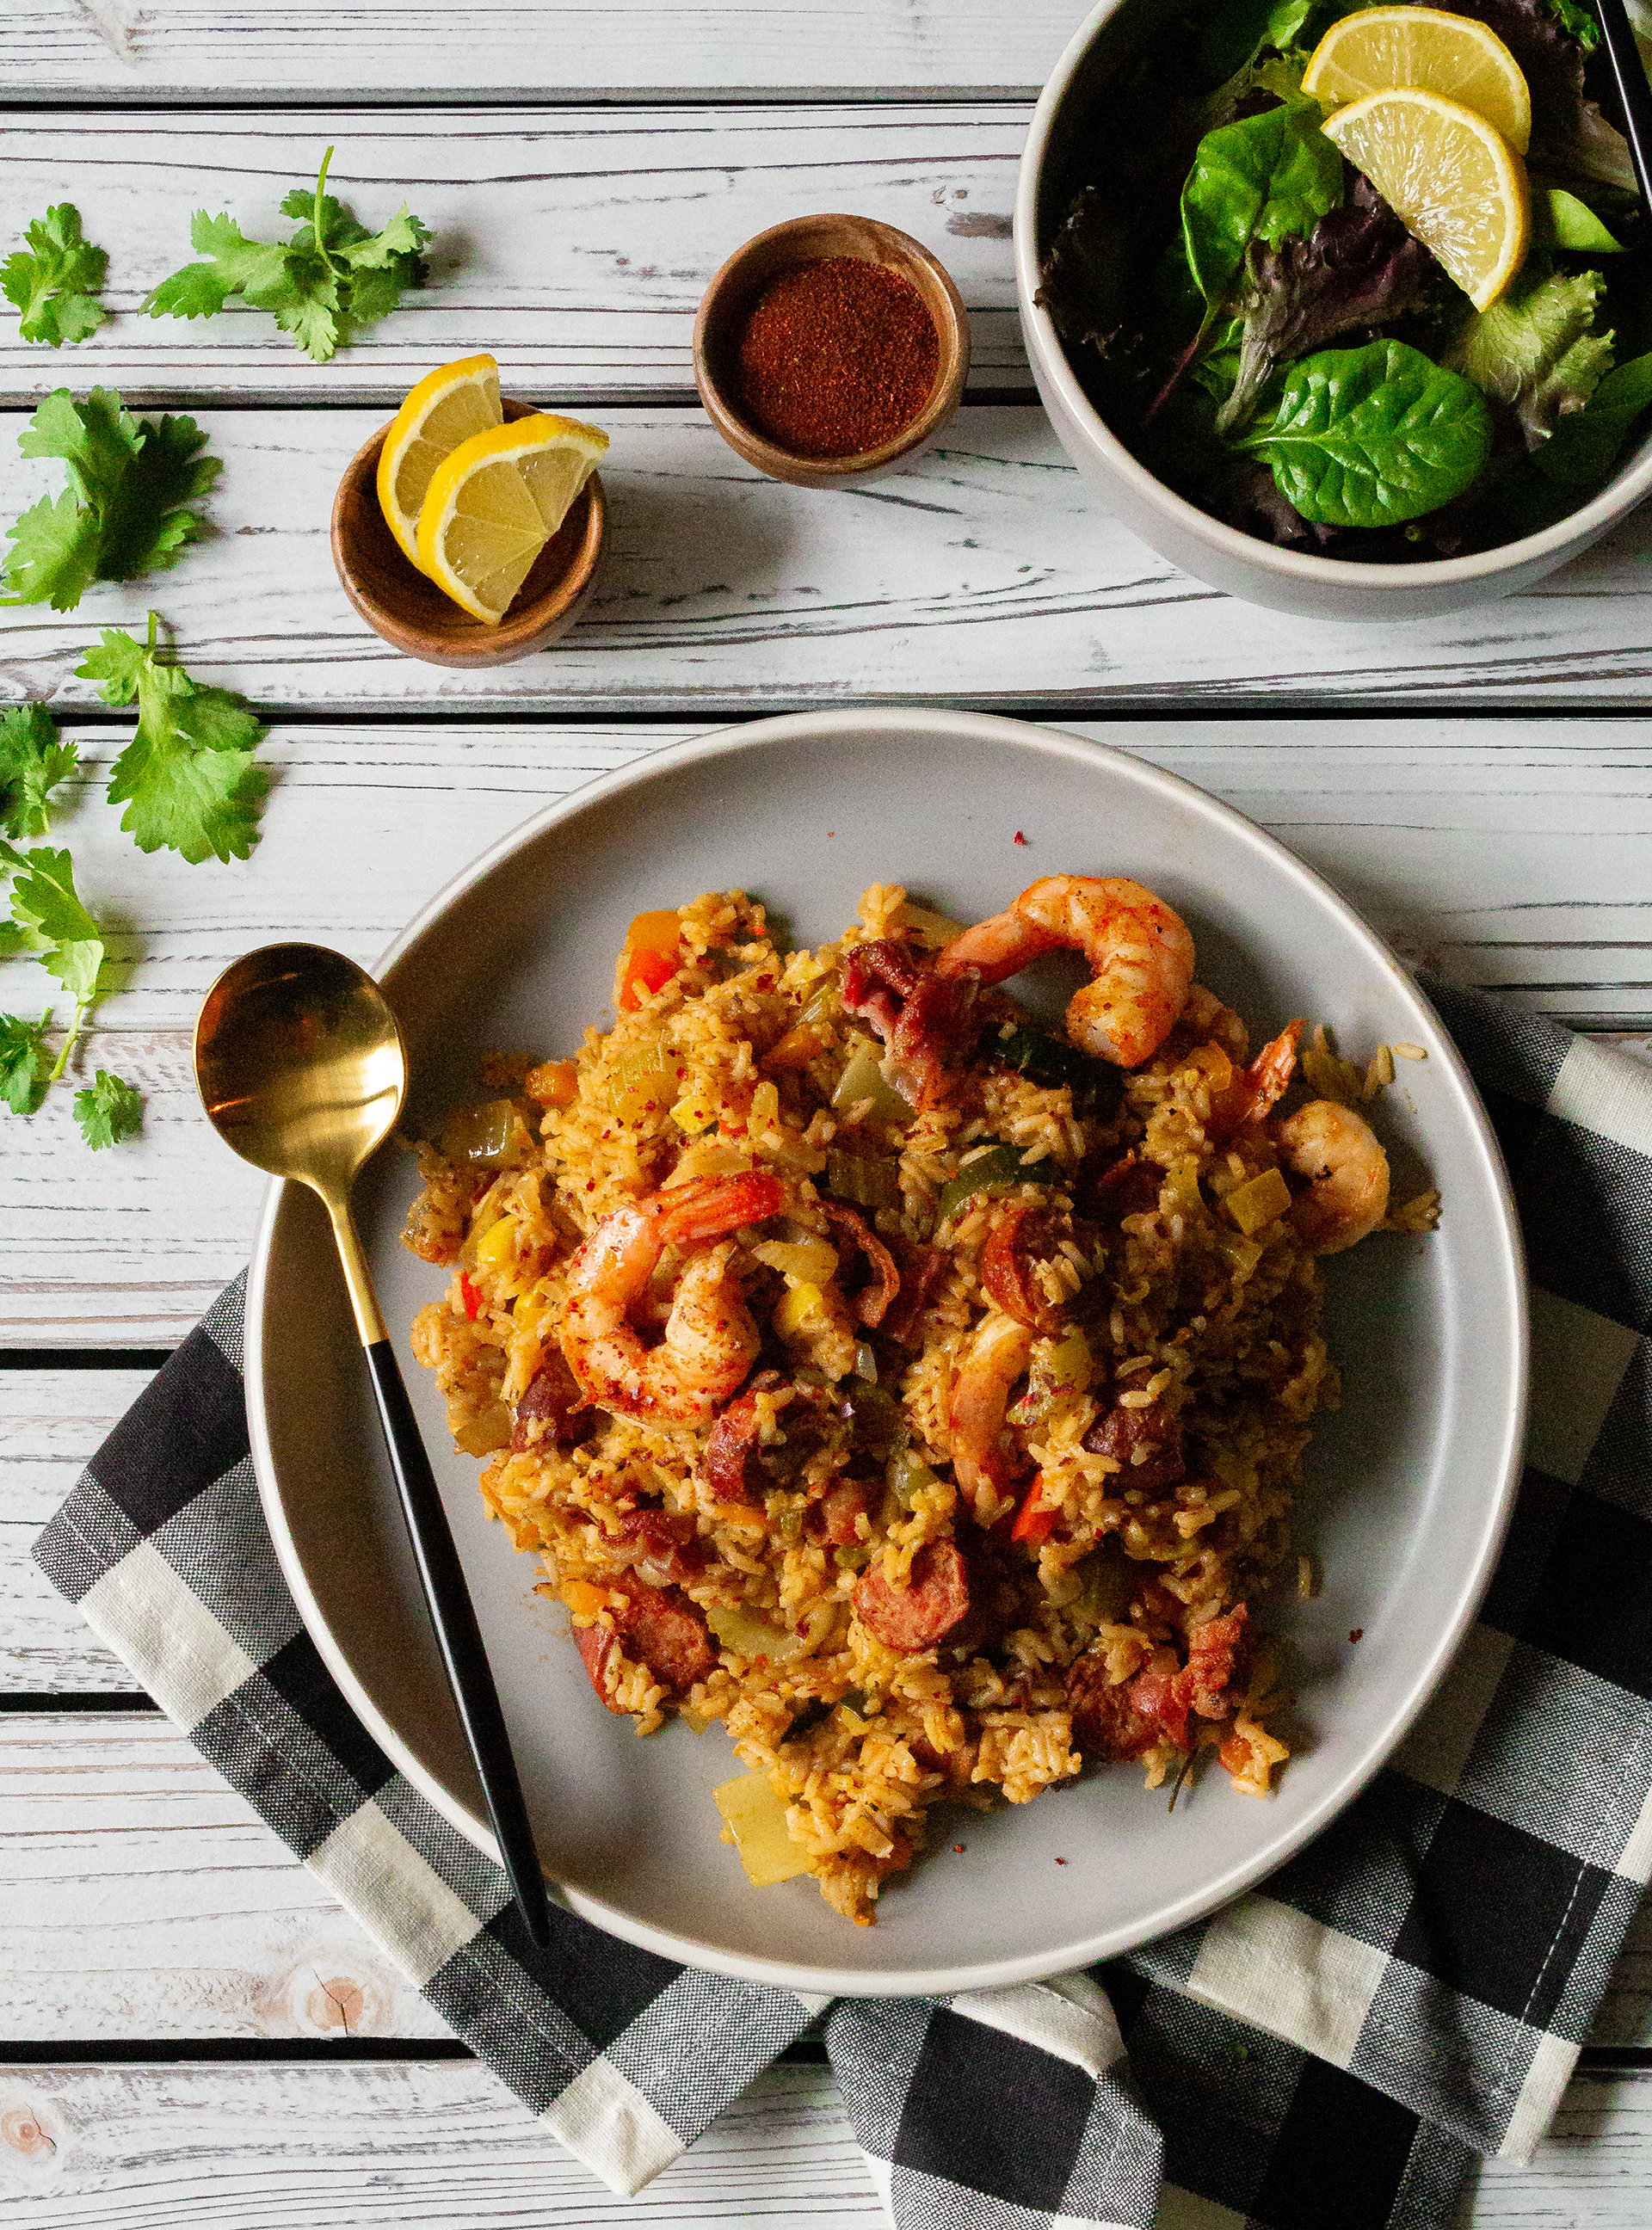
point(302, 1070)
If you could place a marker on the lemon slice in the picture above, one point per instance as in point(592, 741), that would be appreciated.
point(448, 406)
point(1382, 48)
point(492, 506)
point(1451, 179)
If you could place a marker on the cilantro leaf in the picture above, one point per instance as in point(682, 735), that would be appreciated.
point(22, 1062)
point(125, 510)
point(51, 922)
point(188, 779)
point(108, 1111)
point(53, 281)
point(330, 278)
point(32, 764)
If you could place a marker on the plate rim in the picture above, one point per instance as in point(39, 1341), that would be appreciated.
point(1193, 1906)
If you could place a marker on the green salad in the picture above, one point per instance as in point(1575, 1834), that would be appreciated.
point(1265, 332)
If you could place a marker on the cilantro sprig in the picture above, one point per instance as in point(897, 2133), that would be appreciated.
point(108, 1109)
point(188, 778)
point(50, 921)
point(331, 278)
point(32, 764)
point(55, 279)
point(125, 510)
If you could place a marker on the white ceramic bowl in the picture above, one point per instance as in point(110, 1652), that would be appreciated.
point(1073, 104)
point(1408, 1481)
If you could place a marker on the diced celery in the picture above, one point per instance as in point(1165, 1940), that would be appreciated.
point(491, 1136)
point(907, 1477)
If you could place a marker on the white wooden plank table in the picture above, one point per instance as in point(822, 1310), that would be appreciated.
point(191, 2032)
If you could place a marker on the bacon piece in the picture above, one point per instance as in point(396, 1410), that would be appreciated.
point(661, 1546)
point(1146, 1444)
point(659, 1628)
point(917, 1616)
point(919, 1269)
point(1024, 1238)
point(868, 1302)
point(552, 1407)
point(1125, 1720)
point(925, 1018)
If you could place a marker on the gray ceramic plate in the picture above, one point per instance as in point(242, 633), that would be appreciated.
point(1409, 1482)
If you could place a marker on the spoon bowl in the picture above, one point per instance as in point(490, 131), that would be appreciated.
point(301, 1063)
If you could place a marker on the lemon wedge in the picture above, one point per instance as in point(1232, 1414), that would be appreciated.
point(494, 504)
point(1451, 179)
point(448, 406)
point(1382, 48)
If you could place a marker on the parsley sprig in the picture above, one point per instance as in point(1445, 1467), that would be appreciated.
point(126, 509)
point(330, 278)
point(53, 280)
point(188, 778)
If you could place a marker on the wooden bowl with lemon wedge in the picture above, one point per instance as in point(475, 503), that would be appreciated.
point(409, 609)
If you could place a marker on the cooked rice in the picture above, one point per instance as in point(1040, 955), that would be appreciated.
point(1183, 1316)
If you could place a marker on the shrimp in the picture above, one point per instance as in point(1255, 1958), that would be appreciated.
point(1139, 952)
point(710, 1340)
point(1340, 1155)
point(983, 1461)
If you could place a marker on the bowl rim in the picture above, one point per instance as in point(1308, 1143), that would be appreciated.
point(1504, 1239)
point(773, 457)
point(1566, 537)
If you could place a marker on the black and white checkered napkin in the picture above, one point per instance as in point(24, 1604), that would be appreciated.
point(1331, 2050)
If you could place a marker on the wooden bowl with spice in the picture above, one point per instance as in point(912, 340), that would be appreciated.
point(829, 348)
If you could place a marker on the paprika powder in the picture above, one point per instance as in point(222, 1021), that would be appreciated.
point(837, 356)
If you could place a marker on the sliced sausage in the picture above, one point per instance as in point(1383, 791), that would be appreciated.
point(920, 1270)
point(927, 1021)
point(834, 1517)
point(661, 1546)
point(868, 1302)
point(1109, 1186)
point(1126, 1719)
point(917, 1616)
point(1010, 1261)
point(1145, 1444)
point(596, 1645)
point(551, 1408)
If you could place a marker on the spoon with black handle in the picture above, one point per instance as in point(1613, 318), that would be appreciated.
point(302, 1070)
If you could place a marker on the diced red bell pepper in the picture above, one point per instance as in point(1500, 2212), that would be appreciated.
point(471, 1296)
point(1033, 1523)
point(651, 955)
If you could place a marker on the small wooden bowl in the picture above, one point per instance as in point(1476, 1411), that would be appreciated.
point(727, 301)
point(413, 614)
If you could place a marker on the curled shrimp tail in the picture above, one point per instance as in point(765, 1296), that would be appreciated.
point(710, 1342)
point(1139, 952)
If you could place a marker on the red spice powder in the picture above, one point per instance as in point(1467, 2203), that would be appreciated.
point(837, 356)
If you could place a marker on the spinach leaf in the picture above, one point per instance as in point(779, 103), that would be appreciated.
point(1561, 220)
point(1262, 178)
point(1239, 30)
point(1580, 453)
point(1372, 436)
